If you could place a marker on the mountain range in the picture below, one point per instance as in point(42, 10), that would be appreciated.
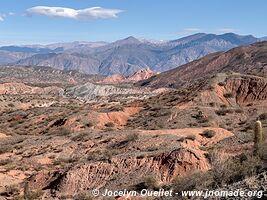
point(124, 56)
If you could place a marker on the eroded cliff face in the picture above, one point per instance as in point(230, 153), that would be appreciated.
point(235, 90)
point(134, 165)
point(119, 171)
point(247, 90)
point(117, 174)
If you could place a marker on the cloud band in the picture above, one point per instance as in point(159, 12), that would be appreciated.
point(83, 14)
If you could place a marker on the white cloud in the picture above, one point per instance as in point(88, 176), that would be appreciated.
point(83, 14)
point(3, 16)
point(227, 30)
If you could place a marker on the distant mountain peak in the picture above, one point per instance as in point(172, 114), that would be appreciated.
point(128, 40)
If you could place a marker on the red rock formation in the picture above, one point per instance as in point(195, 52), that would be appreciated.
point(113, 79)
point(141, 75)
point(137, 76)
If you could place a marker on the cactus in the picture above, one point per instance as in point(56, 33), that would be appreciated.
point(258, 137)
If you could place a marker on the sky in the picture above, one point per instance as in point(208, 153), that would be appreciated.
point(50, 21)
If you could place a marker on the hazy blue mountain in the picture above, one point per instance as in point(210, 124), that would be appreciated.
point(29, 49)
point(131, 54)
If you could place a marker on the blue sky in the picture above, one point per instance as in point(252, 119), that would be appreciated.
point(22, 22)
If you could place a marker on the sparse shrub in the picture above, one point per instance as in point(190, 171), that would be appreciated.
point(211, 87)
point(81, 137)
point(239, 110)
point(109, 129)
point(192, 124)
point(59, 131)
point(99, 155)
point(155, 107)
point(221, 83)
point(204, 120)
point(33, 195)
point(235, 169)
point(153, 148)
point(212, 104)
point(263, 116)
point(223, 106)
point(181, 139)
point(223, 172)
point(191, 137)
point(14, 123)
point(199, 115)
point(223, 112)
point(11, 105)
point(12, 190)
point(89, 124)
point(109, 125)
point(194, 181)
point(150, 182)
point(132, 137)
point(208, 133)
point(65, 160)
point(263, 153)
point(4, 149)
point(228, 95)
point(83, 196)
point(116, 108)
point(5, 162)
